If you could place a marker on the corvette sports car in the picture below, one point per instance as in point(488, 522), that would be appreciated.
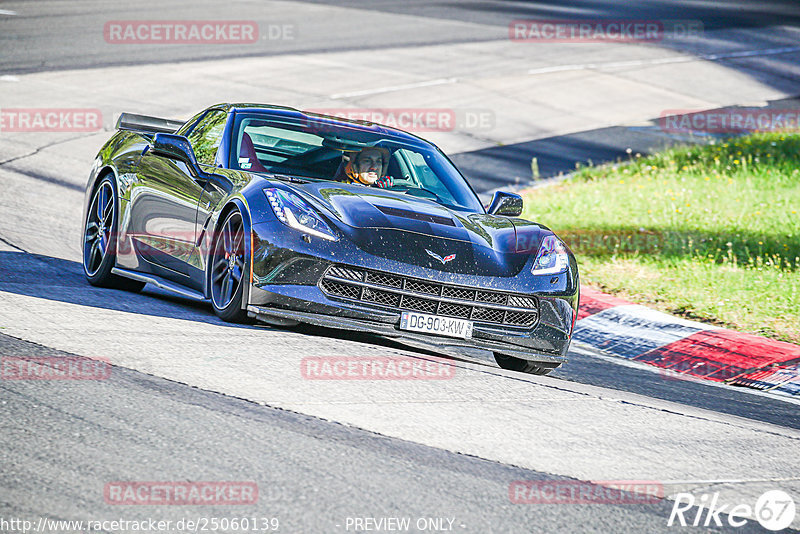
point(262, 211)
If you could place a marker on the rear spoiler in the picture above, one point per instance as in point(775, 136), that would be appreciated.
point(145, 124)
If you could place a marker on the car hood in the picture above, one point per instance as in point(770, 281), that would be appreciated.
point(421, 232)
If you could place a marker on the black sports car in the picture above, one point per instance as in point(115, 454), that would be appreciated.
point(284, 216)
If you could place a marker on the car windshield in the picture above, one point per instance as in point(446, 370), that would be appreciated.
point(320, 148)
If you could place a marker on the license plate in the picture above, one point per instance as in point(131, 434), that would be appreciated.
point(431, 324)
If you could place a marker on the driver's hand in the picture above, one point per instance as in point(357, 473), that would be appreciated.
point(386, 181)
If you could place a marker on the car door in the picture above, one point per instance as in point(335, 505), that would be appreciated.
point(165, 200)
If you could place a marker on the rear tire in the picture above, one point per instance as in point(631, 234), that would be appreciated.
point(511, 363)
point(229, 265)
point(100, 239)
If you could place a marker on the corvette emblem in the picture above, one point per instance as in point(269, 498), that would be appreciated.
point(441, 259)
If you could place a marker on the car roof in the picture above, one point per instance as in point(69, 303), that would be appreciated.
point(287, 112)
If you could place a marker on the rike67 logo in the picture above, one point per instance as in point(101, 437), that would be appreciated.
point(774, 510)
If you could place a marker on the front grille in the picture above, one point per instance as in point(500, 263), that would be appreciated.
point(455, 310)
point(518, 301)
point(494, 298)
point(488, 314)
point(422, 287)
point(418, 304)
point(461, 293)
point(381, 297)
point(344, 272)
point(383, 279)
point(343, 290)
point(514, 317)
point(406, 293)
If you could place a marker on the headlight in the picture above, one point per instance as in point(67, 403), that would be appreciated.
point(552, 257)
point(293, 211)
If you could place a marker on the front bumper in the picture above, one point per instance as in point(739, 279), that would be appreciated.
point(446, 344)
point(291, 303)
point(286, 288)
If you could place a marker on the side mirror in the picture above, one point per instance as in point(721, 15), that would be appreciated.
point(176, 147)
point(507, 204)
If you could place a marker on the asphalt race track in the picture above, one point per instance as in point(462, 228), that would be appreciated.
point(188, 397)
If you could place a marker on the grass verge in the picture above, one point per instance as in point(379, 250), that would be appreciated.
point(707, 232)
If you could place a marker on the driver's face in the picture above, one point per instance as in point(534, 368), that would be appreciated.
point(369, 165)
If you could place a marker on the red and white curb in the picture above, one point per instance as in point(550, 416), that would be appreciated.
point(686, 347)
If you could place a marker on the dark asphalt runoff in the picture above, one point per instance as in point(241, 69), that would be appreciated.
point(62, 442)
point(53, 34)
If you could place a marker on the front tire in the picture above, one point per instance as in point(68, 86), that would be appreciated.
point(510, 363)
point(229, 265)
point(100, 239)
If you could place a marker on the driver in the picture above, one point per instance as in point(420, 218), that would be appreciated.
point(367, 167)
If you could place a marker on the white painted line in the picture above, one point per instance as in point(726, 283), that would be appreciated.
point(586, 66)
point(666, 60)
point(429, 83)
point(752, 53)
point(562, 68)
point(616, 64)
point(7, 12)
point(8, 78)
point(730, 481)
